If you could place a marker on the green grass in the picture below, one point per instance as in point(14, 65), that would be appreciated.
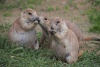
point(94, 17)
point(31, 6)
point(72, 4)
point(66, 7)
point(20, 4)
point(13, 56)
point(95, 28)
point(8, 6)
point(50, 8)
point(2, 1)
point(57, 8)
point(94, 2)
point(34, 1)
point(6, 14)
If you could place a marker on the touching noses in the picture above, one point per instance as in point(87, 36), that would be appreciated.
point(38, 19)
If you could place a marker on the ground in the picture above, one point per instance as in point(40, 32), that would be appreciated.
point(72, 10)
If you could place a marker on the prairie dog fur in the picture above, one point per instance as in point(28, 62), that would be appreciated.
point(45, 39)
point(22, 31)
point(64, 42)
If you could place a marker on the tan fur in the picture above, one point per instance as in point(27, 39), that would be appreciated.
point(45, 39)
point(22, 31)
point(64, 42)
point(75, 29)
point(79, 33)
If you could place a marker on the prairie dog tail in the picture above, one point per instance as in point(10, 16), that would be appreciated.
point(91, 39)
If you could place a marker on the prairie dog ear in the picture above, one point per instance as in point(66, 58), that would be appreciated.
point(23, 12)
point(45, 17)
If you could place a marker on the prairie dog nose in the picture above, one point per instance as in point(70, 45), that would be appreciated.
point(38, 19)
point(52, 28)
point(52, 32)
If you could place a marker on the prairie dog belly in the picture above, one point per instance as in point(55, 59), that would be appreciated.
point(61, 49)
point(23, 38)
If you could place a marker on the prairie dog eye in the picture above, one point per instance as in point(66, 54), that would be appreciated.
point(45, 18)
point(58, 21)
point(27, 22)
point(30, 13)
point(52, 28)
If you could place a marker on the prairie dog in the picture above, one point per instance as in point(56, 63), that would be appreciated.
point(45, 39)
point(22, 31)
point(64, 42)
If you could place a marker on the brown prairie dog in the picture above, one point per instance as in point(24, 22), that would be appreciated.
point(22, 31)
point(45, 39)
point(64, 42)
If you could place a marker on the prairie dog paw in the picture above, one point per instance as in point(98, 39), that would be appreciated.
point(52, 32)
